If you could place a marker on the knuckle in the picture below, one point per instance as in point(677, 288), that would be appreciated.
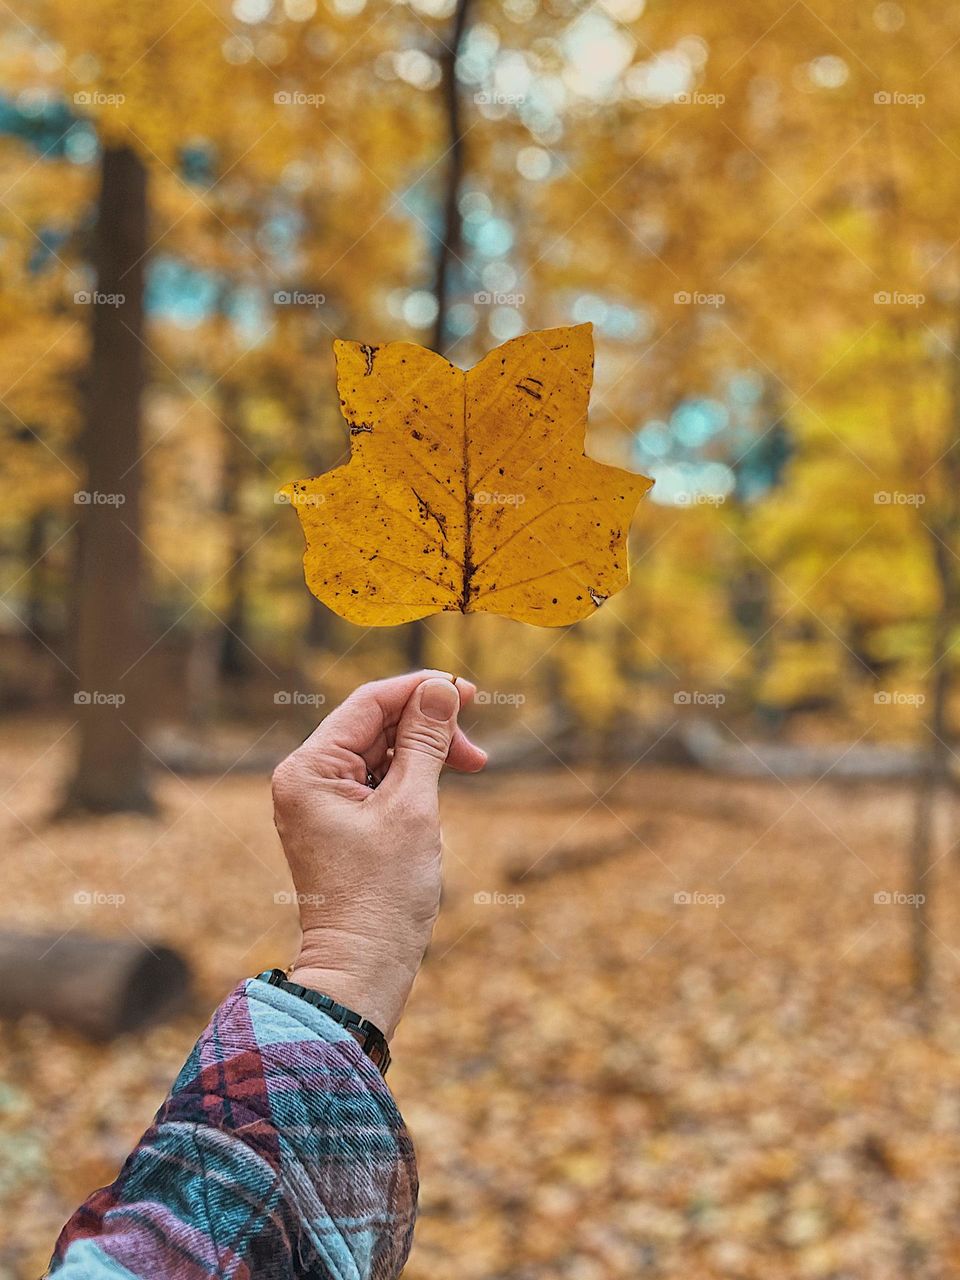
point(286, 783)
point(428, 738)
point(363, 692)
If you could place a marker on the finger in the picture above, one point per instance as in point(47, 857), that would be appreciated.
point(465, 756)
point(356, 735)
point(424, 737)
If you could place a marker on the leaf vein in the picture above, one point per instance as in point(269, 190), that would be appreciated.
point(525, 582)
point(566, 502)
point(415, 573)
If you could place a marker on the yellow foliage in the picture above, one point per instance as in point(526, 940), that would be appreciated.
point(801, 670)
point(592, 683)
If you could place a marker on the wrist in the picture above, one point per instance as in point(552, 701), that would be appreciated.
point(356, 973)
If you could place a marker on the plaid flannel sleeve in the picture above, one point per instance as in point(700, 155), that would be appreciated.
point(279, 1153)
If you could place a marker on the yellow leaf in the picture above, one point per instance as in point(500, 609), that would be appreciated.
point(467, 490)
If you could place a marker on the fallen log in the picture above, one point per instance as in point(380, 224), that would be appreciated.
point(712, 749)
point(101, 987)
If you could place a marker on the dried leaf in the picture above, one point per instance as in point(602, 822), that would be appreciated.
point(467, 490)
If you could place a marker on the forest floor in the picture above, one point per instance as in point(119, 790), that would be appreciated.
point(602, 1081)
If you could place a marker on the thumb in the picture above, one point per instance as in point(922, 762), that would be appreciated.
point(424, 734)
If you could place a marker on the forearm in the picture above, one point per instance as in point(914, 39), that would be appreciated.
point(279, 1153)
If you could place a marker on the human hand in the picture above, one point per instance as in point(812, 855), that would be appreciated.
point(366, 862)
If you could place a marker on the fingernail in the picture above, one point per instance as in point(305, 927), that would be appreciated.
point(439, 699)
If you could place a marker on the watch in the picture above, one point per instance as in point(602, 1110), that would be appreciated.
point(370, 1038)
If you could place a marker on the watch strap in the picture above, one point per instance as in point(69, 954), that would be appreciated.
point(370, 1038)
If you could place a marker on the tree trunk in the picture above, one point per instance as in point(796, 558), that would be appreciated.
point(448, 246)
point(318, 631)
point(943, 527)
point(930, 785)
point(234, 654)
point(35, 605)
point(111, 773)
